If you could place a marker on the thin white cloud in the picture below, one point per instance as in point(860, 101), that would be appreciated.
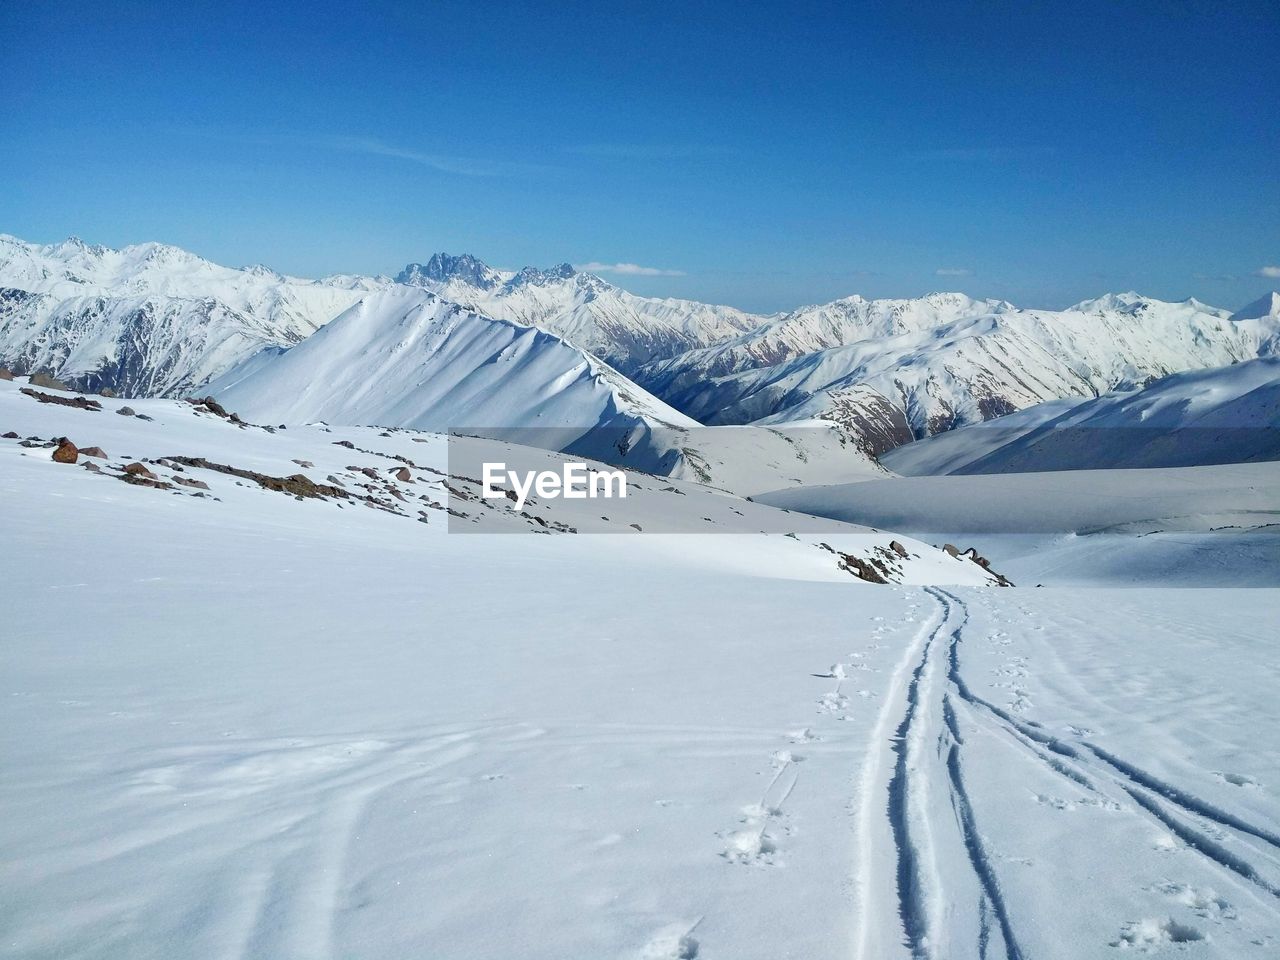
point(371, 146)
point(1271, 273)
point(627, 269)
point(950, 272)
point(463, 166)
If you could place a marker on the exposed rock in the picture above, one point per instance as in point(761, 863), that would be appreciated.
point(93, 452)
point(106, 392)
point(126, 412)
point(138, 480)
point(298, 485)
point(304, 463)
point(80, 403)
point(138, 470)
point(897, 548)
point(11, 435)
point(404, 476)
point(950, 550)
point(5, 374)
point(66, 452)
point(45, 380)
point(214, 406)
point(91, 466)
point(868, 570)
point(344, 443)
point(188, 482)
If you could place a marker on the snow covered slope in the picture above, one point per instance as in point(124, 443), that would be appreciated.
point(150, 319)
point(621, 328)
point(320, 728)
point(980, 367)
point(1224, 415)
point(404, 357)
point(1210, 526)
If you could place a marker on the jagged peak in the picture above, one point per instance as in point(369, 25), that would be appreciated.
point(443, 267)
point(535, 276)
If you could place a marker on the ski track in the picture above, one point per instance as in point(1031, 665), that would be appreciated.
point(923, 762)
point(924, 758)
point(1191, 819)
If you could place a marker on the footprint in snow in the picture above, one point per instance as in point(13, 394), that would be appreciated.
point(1236, 779)
point(673, 942)
point(1152, 933)
point(1205, 901)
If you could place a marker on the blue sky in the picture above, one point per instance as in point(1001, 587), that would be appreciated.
point(764, 158)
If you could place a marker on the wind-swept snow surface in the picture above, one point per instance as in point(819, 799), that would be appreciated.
point(241, 724)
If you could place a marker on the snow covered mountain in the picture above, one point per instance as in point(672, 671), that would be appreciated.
point(404, 357)
point(621, 328)
point(1200, 417)
point(150, 319)
point(810, 329)
point(994, 361)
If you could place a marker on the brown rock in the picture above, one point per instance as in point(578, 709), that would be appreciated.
point(404, 476)
point(304, 463)
point(188, 482)
point(950, 550)
point(45, 380)
point(138, 470)
point(106, 392)
point(93, 452)
point(5, 374)
point(91, 466)
point(66, 452)
point(897, 548)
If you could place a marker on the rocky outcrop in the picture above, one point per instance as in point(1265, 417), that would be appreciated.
point(80, 403)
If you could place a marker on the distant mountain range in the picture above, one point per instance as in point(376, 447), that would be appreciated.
point(455, 342)
point(619, 327)
point(1222, 415)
